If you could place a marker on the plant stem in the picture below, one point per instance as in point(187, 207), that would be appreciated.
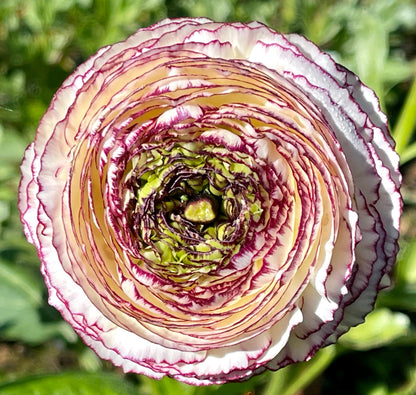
point(292, 379)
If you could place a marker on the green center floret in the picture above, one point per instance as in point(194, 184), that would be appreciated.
point(200, 211)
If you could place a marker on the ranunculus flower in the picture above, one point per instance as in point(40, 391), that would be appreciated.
point(211, 200)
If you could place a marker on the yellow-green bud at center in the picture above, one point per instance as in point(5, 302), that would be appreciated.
point(201, 210)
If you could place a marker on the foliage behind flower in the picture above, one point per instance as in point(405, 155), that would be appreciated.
point(212, 200)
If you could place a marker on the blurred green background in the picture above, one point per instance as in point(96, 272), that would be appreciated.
point(42, 41)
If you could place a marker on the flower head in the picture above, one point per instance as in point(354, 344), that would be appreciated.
point(210, 200)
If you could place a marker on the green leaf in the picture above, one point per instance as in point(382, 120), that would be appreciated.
point(72, 383)
point(403, 298)
point(405, 271)
point(370, 51)
point(21, 303)
point(16, 145)
point(165, 386)
point(381, 327)
point(405, 126)
point(408, 154)
point(245, 387)
point(15, 281)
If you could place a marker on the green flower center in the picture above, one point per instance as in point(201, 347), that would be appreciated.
point(190, 206)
